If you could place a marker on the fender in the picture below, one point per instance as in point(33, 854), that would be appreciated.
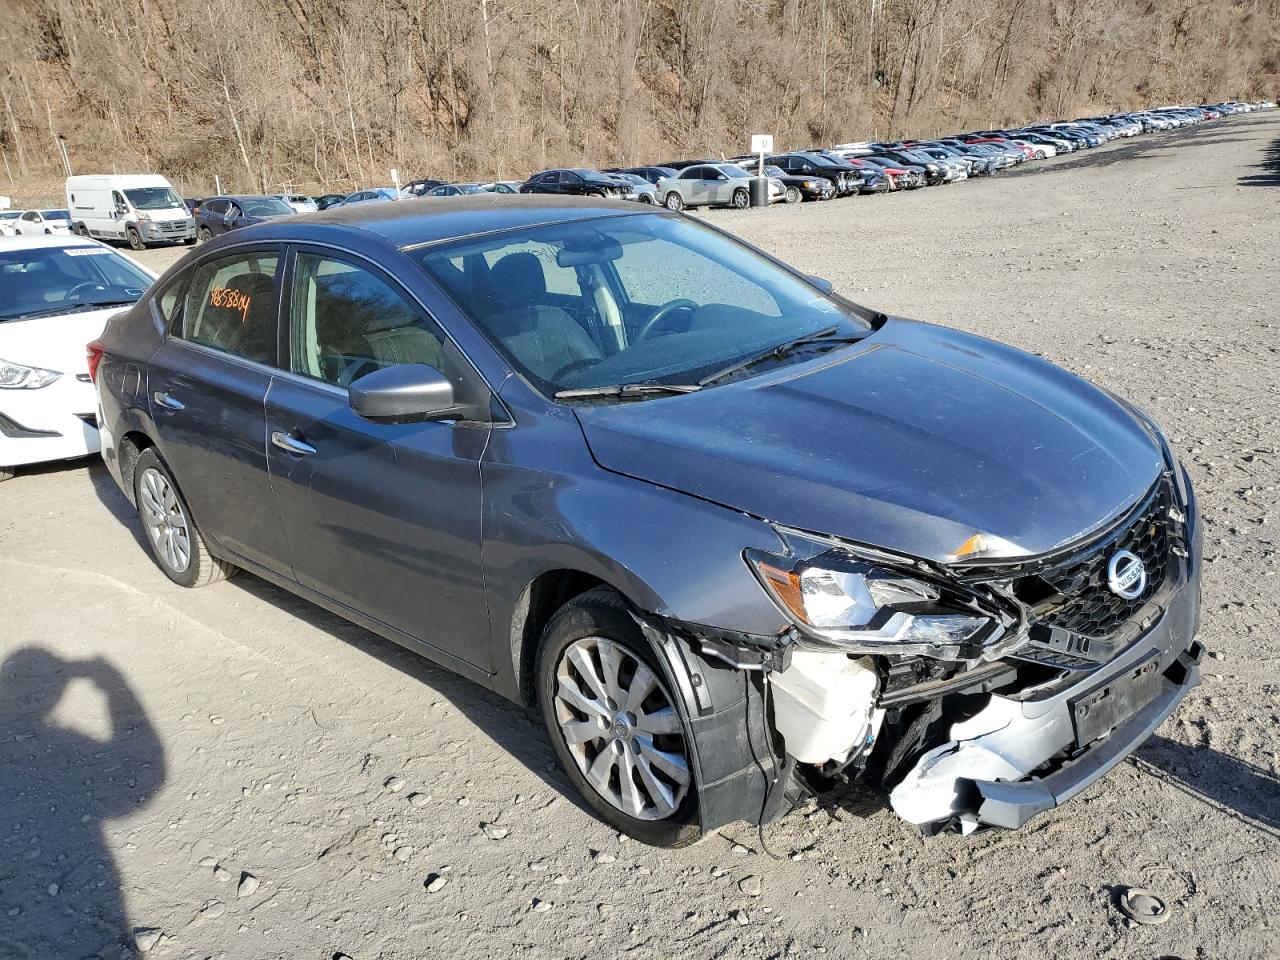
point(549, 507)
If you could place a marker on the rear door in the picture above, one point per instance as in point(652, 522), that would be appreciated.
point(382, 517)
point(207, 388)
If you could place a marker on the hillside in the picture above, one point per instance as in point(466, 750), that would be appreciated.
point(325, 95)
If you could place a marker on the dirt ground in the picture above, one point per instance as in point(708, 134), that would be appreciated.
point(231, 772)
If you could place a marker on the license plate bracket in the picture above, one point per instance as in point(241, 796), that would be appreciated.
point(1102, 709)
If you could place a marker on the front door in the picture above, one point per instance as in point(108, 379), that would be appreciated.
point(206, 388)
point(382, 517)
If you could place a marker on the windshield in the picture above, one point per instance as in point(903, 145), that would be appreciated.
point(153, 198)
point(470, 188)
point(57, 279)
point(55, 214)
point(10, 214)
point(263, 206)
point(632, 299)
point(734, 172)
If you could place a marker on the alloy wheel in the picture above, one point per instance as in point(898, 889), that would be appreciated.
point(166, 523)
point(622, 729)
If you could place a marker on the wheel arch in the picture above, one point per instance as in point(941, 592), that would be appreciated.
point(128, 449)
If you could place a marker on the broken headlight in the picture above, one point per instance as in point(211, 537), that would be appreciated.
point(874, 603)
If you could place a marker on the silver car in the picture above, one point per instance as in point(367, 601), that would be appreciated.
point(707, 185)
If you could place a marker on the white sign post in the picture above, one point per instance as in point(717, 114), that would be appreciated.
point(395, 179)
point(761, 143)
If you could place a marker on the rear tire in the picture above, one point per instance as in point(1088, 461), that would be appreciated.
point(135, 239)
point(673, 201)
point(176, 545)
point(7, 473)
point(204, 235)
point(81, 230)
point(793, 195)
point(612, 721)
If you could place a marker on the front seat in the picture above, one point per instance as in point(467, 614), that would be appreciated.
point(544, 338)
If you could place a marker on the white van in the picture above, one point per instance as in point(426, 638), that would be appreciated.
point(141, 208)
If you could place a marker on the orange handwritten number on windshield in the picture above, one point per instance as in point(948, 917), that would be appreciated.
point(232, 300)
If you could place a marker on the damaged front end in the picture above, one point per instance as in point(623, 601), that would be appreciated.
point(979, 693)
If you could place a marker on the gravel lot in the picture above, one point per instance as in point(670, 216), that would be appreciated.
point(238, 774)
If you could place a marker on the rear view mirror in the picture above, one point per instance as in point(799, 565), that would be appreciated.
point(593, 248)
point(406, 392)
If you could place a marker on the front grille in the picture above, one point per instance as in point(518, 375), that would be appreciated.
point(1089, 607)
point(1072, 593)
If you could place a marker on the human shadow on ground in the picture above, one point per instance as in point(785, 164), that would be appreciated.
point(509, 725)
point(60, 891)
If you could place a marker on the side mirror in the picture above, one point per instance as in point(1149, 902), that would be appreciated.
point(121, 212)
point(822, 284)
point(409, 391)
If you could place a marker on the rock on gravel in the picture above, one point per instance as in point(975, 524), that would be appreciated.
point(751, 886)
point(493, 831)
point(394, 784)
point(248, 885)
point(435, 883)
point(147, 938)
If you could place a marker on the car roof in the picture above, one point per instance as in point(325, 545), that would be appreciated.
point(417, 222)
point(46, 240)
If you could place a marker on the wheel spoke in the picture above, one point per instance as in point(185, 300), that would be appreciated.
point(665, 720)
point(672, 764)
point(580, 731)
point(611, 662)
point(601, 767)
point(642, 684)
point(587, 669)
point(659, 792)
point(632, 800)
point(568, 691)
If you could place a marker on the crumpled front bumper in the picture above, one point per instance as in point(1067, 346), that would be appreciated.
point(984, 775)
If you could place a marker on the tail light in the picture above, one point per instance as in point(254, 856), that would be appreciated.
point(93, 353)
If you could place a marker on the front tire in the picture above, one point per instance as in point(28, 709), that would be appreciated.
point(617, 730)
point(177, 547)
point(7, 473)
point(204, 235)
point(741, 199)
point(135, 240)
point(793, 195)
point(673, 201)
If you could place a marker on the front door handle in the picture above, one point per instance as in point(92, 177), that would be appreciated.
point(292, 444)
point(167, 401)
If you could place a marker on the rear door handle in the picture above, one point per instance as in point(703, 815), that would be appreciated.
point(292, 444)
point(168, 402)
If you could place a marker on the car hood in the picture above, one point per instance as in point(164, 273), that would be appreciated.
point(55, 343)
point(913, 440)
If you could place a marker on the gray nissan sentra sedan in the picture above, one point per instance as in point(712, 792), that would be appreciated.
point(733, 538)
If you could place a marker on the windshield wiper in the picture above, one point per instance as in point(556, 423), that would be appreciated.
point(623, 390)
point(74, 307)
point(780, 350)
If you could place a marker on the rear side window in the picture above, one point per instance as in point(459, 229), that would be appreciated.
point(231, 306)
point(348, 321)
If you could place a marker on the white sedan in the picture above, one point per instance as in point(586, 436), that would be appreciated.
point(56, 294)
point(36, 223)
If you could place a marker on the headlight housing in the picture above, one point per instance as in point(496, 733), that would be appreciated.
point(864, 602)
point(18, 376)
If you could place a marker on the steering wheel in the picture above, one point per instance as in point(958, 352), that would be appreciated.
point(86, 286)
point(664, 311)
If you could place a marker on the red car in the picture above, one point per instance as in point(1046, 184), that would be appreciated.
point(892, 174)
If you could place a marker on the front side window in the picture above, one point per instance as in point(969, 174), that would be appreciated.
point(231, 306)
point(346, 321)
point(653, 299)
